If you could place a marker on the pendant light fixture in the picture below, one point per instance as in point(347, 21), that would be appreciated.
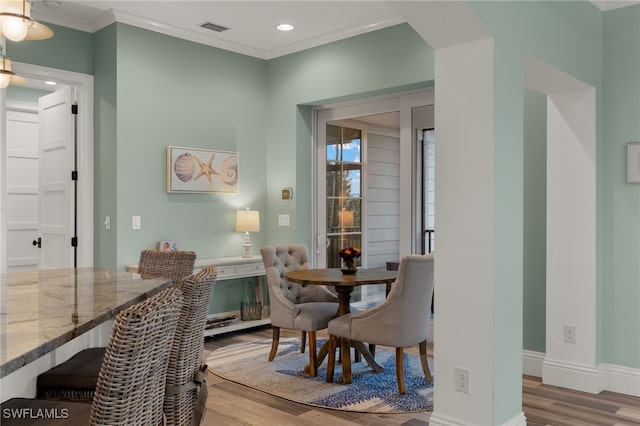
point(16, 23)
point(7, 76)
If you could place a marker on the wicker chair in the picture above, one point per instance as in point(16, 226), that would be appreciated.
point(186, 391)
point(131, 384)
point(76, 378)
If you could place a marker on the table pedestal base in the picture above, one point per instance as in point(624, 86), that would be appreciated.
point(345, 350)
point(360, 347)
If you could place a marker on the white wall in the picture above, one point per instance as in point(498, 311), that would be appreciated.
point(382, 199)
point(464, 267)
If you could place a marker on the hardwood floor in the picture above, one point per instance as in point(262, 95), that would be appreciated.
point(233, 404)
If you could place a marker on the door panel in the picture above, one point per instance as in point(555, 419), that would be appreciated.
point(22, 189)
point(56, 186)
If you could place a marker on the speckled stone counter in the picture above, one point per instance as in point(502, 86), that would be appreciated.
point(42, 310)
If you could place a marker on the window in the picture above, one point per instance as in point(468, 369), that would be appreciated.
point(344, 190)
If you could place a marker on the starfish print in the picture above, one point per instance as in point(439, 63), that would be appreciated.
point(206, 169)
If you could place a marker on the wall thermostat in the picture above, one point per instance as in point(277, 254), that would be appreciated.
point(287, 193)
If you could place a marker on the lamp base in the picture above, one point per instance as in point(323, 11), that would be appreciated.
point(246, 244)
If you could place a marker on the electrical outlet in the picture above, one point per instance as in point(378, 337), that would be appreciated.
point(569, 333)
point(107, 222)
point(462, 380)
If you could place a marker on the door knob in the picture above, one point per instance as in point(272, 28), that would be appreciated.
point(38, 242)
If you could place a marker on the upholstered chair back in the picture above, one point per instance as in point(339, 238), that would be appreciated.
point(402, 320)
point(283, 294)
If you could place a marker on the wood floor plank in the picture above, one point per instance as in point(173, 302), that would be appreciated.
point(629, 413)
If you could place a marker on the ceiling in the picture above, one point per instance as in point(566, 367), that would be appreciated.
point(251, 23)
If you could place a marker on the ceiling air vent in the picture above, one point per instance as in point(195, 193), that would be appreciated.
point(214, 27)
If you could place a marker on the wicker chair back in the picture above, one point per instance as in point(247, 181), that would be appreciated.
point(132, 378)
point(185, 375)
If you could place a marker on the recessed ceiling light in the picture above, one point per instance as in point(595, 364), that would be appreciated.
point(285, 27)
point(50, 83)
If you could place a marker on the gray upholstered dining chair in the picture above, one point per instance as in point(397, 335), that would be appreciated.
point(76, 378)
point(131, 384)
point(294, 306)
point(401, 321)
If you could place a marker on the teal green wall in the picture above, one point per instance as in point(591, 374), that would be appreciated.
point(171, 92)
point(68, 49)
point(392, 59)
point(621, 242)
point(535, 221)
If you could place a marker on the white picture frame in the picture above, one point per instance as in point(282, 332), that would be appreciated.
point(201, 170)
point(633, 162)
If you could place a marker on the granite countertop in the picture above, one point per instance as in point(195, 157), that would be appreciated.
point(41, 310)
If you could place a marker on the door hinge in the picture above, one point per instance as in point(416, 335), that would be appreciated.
point(74, 241)
point(74, 109)
point(74, 175)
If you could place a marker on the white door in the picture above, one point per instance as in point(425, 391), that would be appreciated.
point(22, 188)
point(57, 193)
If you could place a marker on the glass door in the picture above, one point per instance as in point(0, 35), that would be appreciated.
point(343, 167)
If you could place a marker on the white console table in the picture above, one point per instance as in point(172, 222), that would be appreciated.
point(231, 268)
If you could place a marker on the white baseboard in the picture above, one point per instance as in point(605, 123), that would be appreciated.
point(519, 420)
point(437, 419)
point(532, 363)
point(620, 379)
point(581, 377)
point(609, 377)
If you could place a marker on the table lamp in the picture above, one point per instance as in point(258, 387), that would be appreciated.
point(247, 221)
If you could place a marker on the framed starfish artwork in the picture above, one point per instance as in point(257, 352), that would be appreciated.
point(201, 170)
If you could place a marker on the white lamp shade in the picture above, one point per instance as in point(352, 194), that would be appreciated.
point(247, 221)
point(346, 218)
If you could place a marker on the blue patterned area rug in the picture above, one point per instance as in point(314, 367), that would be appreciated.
point(370, 392)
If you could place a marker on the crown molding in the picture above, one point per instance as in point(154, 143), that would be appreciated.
point(105, 19)
point(115, 15)
point(606, 5)
point(196, 37)
point(333, 36)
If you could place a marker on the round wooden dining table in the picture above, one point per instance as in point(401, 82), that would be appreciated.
point(344, 285)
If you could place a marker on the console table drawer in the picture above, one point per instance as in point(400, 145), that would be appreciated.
point(251, 269)
point(226, 271)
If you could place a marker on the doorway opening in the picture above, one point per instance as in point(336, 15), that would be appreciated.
point(24, 112)
point(366, 180)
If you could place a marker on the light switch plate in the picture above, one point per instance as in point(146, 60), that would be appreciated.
point(283, 220)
